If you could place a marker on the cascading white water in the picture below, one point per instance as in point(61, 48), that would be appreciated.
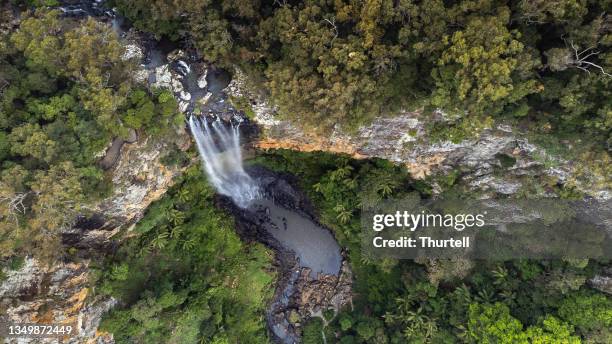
point(222, 161)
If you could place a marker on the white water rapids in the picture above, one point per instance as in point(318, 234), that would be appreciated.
point(222, 160)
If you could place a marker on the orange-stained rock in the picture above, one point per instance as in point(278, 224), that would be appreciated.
point(60, 293)
point(424, 165)
point(310, 144)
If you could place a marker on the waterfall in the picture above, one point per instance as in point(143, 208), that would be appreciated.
point(222, 160)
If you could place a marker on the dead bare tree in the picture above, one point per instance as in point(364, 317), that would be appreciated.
point(580, 59)
point(15, 205)
point(332, 22)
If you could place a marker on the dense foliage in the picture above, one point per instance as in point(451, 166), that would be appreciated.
point(182, 275)
point(186, 277)
point(439, 301)
point(65, 92)
point(345, 62)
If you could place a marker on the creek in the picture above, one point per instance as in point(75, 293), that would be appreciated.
point(216, 126)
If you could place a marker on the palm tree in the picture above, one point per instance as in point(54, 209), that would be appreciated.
point(485, 296)
point(176, 231)
point(176, 216)
point(160, 241)
point(351, 183)
point(188, 244)
point(343, 214)
point(184, 195)
point(385, 185)
point(462, 293)
point(500, 274)
point(421, 329)
point(341, 173)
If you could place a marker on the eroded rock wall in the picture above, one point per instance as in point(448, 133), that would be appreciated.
point(55, 294)
point(403, 139)
point(60, 293)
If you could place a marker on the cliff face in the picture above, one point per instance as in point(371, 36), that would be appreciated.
point(60, 293)
point(56, 294)
point(140, 178)
point(497, 161)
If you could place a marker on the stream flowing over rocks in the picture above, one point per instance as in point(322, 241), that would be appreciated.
point(312, 278)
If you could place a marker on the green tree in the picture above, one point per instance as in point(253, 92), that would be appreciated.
point(591, 313)
point(493, 324)
point(552, 331)
point(213, 290)
point(65, 92)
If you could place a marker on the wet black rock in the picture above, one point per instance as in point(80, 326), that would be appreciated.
point(299, 292)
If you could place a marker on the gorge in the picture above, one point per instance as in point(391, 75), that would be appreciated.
point(314, 247)
point(237, 224)
point(312, 276)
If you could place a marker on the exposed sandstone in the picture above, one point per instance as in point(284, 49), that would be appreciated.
point(404, 140)
point(60, 293)
point(324, 292)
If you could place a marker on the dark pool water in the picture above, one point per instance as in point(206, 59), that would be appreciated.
point(315, 246)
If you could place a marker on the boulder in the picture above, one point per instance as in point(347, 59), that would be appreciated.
point(603, 282)
point(202, 83)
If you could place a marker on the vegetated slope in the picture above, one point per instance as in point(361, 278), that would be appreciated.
point(65, 92)
point(330, 63)
point(439, 301)
point(185, 276)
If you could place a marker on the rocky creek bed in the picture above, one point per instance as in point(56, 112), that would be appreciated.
point(141, 178)
point(301, 291)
